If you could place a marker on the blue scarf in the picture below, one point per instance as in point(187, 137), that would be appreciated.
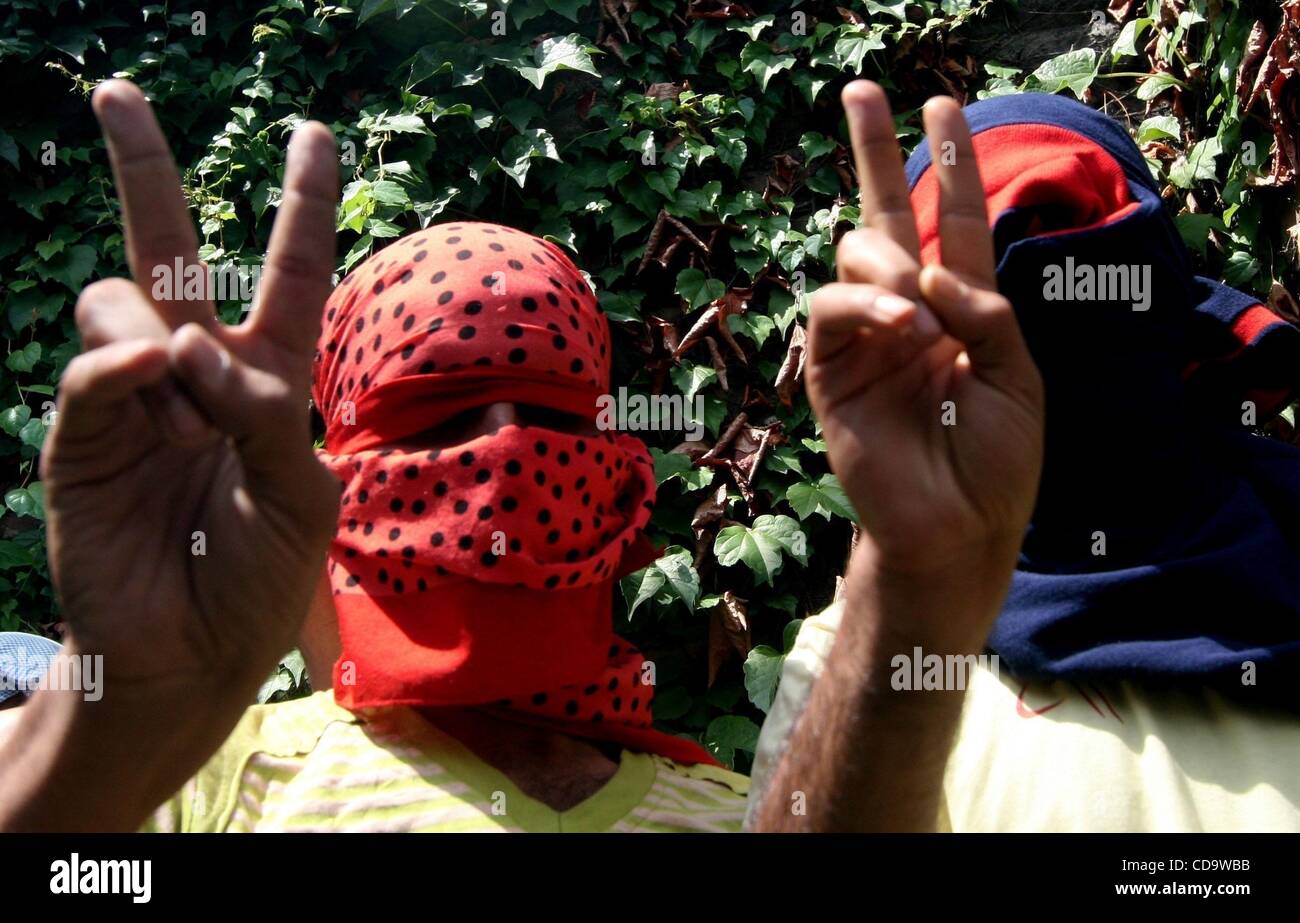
point(1165, 544)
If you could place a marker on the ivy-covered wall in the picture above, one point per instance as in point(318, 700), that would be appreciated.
point(689, 155)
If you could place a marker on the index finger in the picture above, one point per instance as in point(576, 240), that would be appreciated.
point(160, 236)
point(886, 203)
point(300, 257)
point(965, 241)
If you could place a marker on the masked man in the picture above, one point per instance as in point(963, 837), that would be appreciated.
point(1145, 664)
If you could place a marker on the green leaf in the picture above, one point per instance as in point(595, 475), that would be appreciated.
point(761, 547)
point(13, 419)
point(753, 27)
point(25, 359)
point(1195, 230)
point(1198, 164)
point(669, 465)
point(641, 587)
point(24, 503)
point(758, 59)
point(13, 554)
point(386, 192)
point(1157, 127)
point(731, 147)
point(1241, 269)
point(852, 48)
point(679, 570)
point(1074, 70)
point(672, 574)
point(825, 496)
point(1156, 84)
point(1126, 42)
point(572, 52)
point(729, 733)
point(621, 306)
point(698, 289)
point(32, 433)
point(520, 150)
point(8, 149)
point(763, 675)
point(48, 248)
point(690, 379)
point(72, 267)
point(815, 144)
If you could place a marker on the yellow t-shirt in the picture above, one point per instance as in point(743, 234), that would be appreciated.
point(309, 765)
point(1104, 757)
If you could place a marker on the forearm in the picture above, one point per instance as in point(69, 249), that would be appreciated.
point(72, 764)
point(864, 756)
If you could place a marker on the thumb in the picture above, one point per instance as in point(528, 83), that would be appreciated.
point(265, 420)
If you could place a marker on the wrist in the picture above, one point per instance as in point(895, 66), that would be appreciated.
point(947, 606)
point(103, 758)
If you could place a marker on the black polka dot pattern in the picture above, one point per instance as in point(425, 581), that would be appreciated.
point(522, 510)
point(446, 304)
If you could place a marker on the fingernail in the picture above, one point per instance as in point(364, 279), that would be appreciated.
point(947, 286)
point(893, 307)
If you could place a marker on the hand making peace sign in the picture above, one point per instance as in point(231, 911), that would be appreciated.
point(188, 516)
point(892, 342)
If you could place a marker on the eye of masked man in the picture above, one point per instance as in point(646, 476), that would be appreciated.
point(473, 568)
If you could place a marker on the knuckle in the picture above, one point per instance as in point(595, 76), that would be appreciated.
point(96, 297)
point(299, 265)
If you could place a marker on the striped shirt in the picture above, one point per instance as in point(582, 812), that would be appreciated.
point(309, 765)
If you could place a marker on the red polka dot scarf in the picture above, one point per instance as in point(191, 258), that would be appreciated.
point(482, 573)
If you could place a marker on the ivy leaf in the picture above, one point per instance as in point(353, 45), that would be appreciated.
point(1157, 127)
point(824, 496)
point(25, 359)
point(621, 306)
point(852, 48)
point(727, 734)
point(809, 85)
point(815, 144)
point(669, 465)
point(679, 569)
point(13, 554)
point(1195, 230)
point(758, 59)
point(897, 9)
point(698, 289)
point(763, 675)
point(1240, 269)
point(1198, 164)
point(33, 304)
point(690, 379)
point(72, 267)
point(8, 148)
point(674, 571)
point(15, 418)
point(754, 27)
point(572, 52)
point(761, 546)
point(32, 433)
point(47, 248)
point(520, 150)
point(23, 502)
point(400, 123)
point(731, 147)
point(641, 587)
